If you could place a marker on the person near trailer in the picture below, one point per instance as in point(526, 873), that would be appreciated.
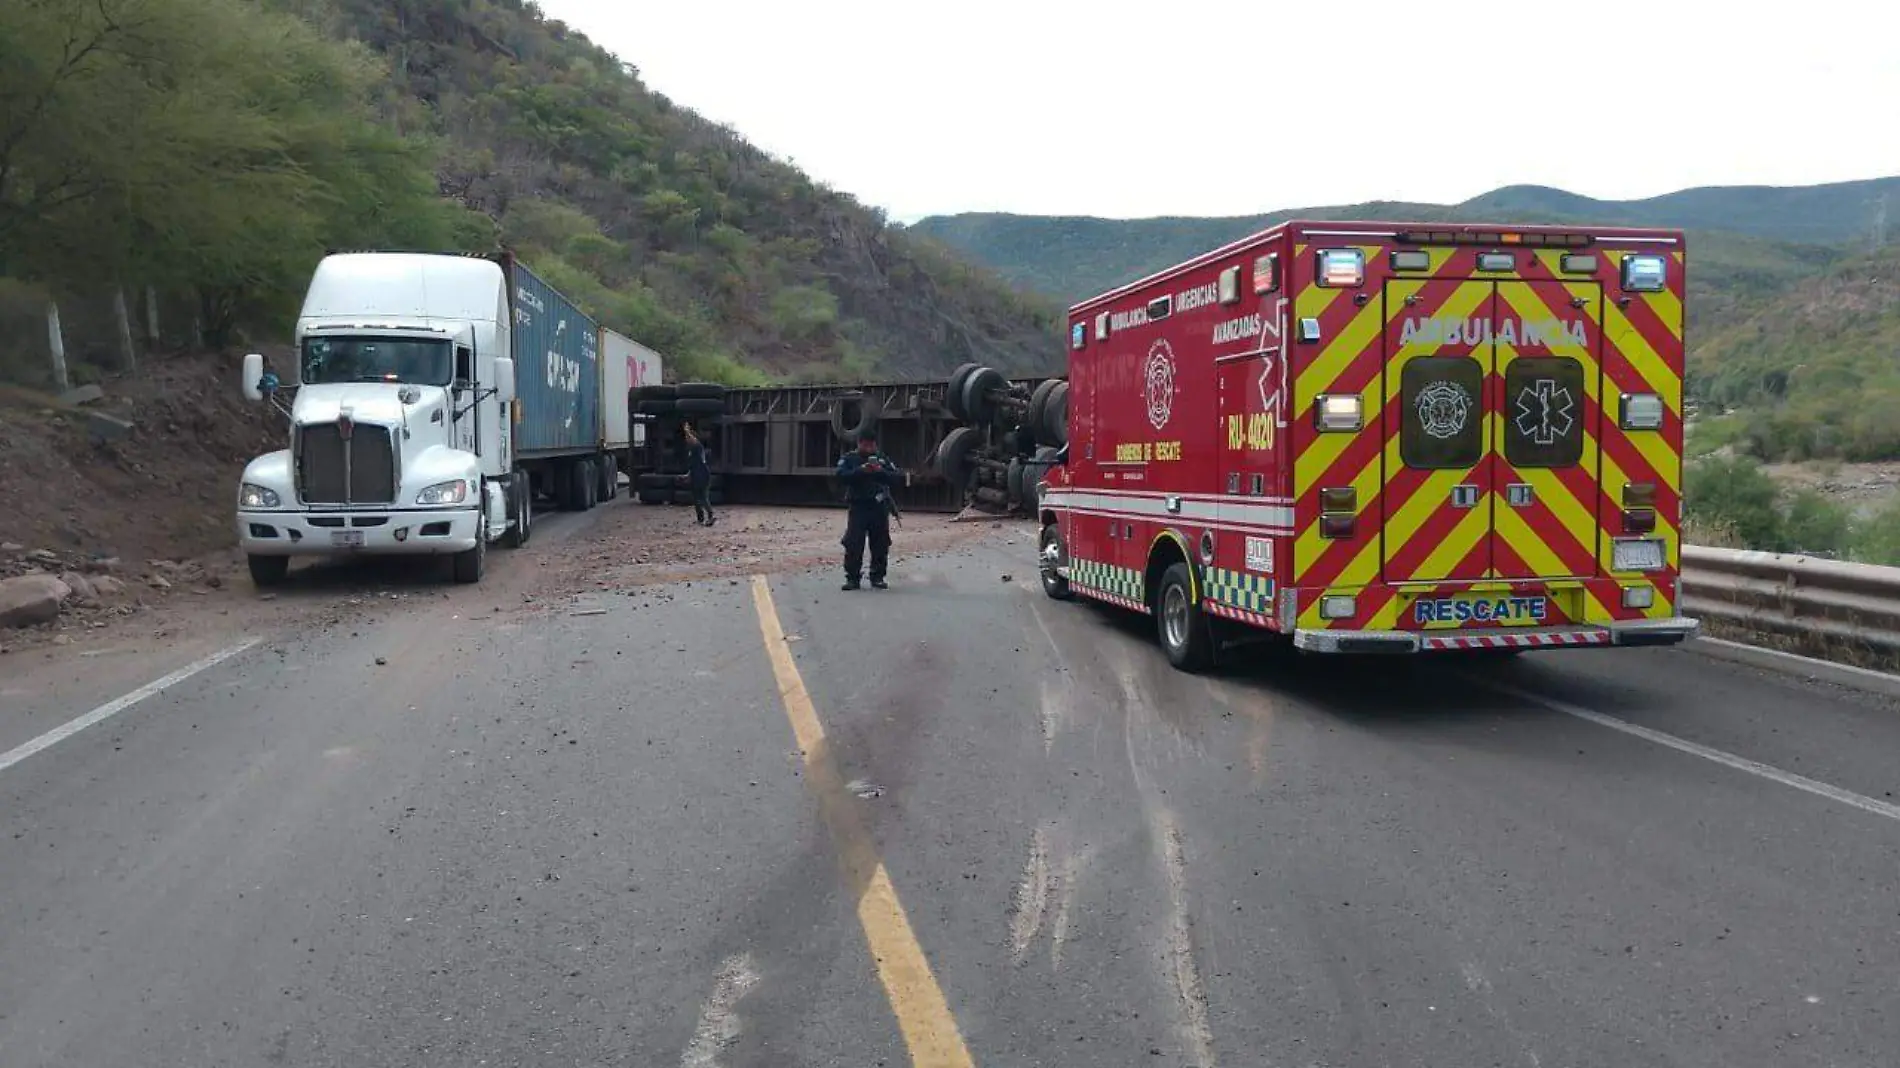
point(698, 477)
point(868, 477)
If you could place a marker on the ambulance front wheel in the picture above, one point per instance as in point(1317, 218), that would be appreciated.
point(1052, 557)
point(1185, 634)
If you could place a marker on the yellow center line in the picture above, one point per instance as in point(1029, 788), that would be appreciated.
point(923, 1013)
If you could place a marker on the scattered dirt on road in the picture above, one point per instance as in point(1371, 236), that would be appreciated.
point(621, 547)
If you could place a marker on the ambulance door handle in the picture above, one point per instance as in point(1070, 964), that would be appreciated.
point(1464, 495)
point(1174, 505)
point(1519, 494)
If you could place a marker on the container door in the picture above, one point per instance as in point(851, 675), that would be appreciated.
point(1436, 504)
point(1547, 470)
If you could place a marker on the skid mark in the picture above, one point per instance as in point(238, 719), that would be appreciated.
point(719, 1025)
point(1064, 890)
point(1184, 972)
point(1031, 898)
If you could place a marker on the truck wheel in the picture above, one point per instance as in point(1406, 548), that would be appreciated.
point(655, 496)
point(699, 407)
point(953, 391)
point(520, 510)
point(705, 390)
point(609, 477)
point(953, 455)
point(1185, 635)
point(1013, 481)
point(655, 406)
point(655, 392)
point(1052, 428)
point(853, 415)
point(587, 487)
point(268, 571)
point(978, 408)
point(1051, 556)
point(467, 567)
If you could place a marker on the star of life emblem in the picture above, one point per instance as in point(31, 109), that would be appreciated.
point(1545, 411)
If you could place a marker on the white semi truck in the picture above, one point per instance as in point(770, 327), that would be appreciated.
point(436, 397)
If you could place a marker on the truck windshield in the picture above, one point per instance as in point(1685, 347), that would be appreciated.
point(376, 359)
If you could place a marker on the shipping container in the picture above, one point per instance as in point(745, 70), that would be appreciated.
point(557, 369)
point(625, 365)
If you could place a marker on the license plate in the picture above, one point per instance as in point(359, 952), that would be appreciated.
point(351, 538)
point(1505, 608)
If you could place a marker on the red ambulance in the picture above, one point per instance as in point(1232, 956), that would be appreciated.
point(1379, 438)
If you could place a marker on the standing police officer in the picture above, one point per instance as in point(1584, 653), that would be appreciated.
point(868, 477)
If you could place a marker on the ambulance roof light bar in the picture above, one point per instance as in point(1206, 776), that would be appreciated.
point(1494, 237)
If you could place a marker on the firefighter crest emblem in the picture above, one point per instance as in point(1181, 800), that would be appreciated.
point(1157, 376)
point(1443, 409)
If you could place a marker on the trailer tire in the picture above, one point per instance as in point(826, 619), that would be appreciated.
point(855, 414)
point(700, 391)
point(268, 571)
point(467, 567)
point(684, 496)
point(1013, 480)
point(953, 455)
point(609, 476)
point(953, 391)
point(590, 484)
point(1051, 420)
point(656, 407)
point(655, 496)
point(655, 391)
point(1180, 624)
point(700, 407)
point(978, 408)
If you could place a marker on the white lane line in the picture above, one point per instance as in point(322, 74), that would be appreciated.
point(1683, 745)
point(112, 708)
point(719, 1025)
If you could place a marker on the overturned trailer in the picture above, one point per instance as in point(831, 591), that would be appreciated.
point(780, 445)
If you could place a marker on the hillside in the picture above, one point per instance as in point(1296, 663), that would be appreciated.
point(1747, 240)
point(1810, 372)
point(154, 152)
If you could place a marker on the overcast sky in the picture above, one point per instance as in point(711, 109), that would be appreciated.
point(1245, 106)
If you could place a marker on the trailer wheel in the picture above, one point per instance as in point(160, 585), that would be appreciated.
point(1051, 421)
point(467, 567)
point(268, 571)
point(609, 476)
point(701, 390)
point(1013, 481)
point(656, 408)
point(520, 510)
point(1183, 629)
point(978, 408)
point(589, 487)
point(655, 496)
point(654, 392)
point(953, 455)
point(1051, 556)
point(700, 407)
point(953, 391)
point(856, 414)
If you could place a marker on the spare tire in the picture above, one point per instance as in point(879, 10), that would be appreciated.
point(953, 392)
point(978, 408)
point(656, 391)
point(700, 407)
point(952, 458)
point(855, 413)
point(706, 390)
point(1051, 421)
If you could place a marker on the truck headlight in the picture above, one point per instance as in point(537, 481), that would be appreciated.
point(444, 493)
point(251, 495)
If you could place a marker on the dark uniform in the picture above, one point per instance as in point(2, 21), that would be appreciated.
point(868, 496)
point(699, 479)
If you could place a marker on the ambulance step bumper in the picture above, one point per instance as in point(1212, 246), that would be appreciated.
point(1635, 633)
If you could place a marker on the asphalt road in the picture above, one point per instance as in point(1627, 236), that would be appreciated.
point(951, 823)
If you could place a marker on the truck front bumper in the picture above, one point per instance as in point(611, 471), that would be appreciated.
point(1635, 632)
point(394, 533)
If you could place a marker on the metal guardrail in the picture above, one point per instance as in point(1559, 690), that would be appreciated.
point(1803, 600)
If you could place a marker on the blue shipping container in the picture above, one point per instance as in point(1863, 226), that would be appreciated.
point(557, 368)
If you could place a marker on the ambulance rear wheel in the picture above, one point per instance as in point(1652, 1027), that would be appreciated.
point(1185, 635)
point(1052, 556)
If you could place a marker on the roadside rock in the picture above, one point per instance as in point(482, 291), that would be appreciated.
point(29, 599)
point(82, 587)
point(107, 587)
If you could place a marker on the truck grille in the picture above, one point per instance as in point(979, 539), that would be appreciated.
point(331, 470)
